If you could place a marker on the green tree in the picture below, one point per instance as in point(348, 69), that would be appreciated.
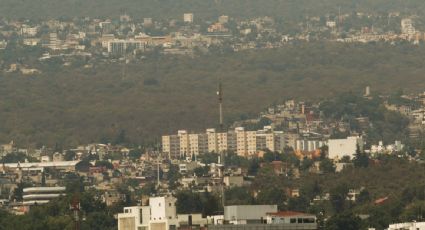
point(238, 196)
point(361, 159)
point(343, 221)
point(273, 195)
point(327, 166)
point(338, 197)
point(135, 154)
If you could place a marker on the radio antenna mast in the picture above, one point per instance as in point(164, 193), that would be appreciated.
point(220, 104)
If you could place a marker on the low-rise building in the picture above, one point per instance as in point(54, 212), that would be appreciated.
point(297, 220)
point(344, 147)
point(159, 215)
point(407, 226)
point(247, 214)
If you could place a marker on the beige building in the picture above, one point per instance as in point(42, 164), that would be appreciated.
point(171, 146)
point(222, 142)
point(251, 142)
point(188, 17)
point(184, 142)
point(243, 143)
point(212, 140)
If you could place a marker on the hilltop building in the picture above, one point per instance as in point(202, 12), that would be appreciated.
point(240, 141)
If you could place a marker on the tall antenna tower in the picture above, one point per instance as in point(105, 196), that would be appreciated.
point(222, 155)
point(75, 208)
point(220, 104)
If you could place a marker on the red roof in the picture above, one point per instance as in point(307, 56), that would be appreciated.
point(287, 213)
point(381, 200)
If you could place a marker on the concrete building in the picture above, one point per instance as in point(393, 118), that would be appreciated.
point(241, 145)
point(244, 143)
point(407, 226)
point(247, 214)
point(223, 19)
point(308, 145)
point(171, 146)
point(120, 46)
point(67, 166)
point(344, 147)
point(41, 195)
point(193, 144)
point(183, 142)
point(188, 17)
point(54, 42)
point(251, 143)
point(221, 142)
point(147, 22)
point(159, 215)
point(29, 31)
point(297, 220)
point(232, 181)
point(407, 26)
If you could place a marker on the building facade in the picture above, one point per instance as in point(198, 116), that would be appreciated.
point(243, 143)
point(159, 215)
point(339, 148)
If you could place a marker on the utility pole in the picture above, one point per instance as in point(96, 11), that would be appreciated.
point(158, 181)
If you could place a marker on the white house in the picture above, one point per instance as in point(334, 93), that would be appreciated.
point(159, 215)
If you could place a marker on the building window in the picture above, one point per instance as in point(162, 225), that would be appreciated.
point(169, 204)
point(141, 216)
point(293, 221)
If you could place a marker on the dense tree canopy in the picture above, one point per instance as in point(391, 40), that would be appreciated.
point(77, 105)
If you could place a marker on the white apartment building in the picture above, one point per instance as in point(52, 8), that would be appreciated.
point(344, 147)
point(41, 195)
point(159, 215)
point(120, 46)
point(29, 31)
point(308, 145)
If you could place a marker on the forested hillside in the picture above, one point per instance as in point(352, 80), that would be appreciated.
point(202, 8)
point(71, 105)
